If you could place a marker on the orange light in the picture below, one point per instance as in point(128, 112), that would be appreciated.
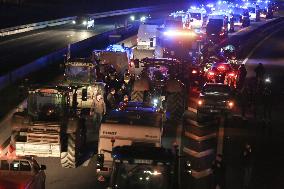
point(231, 104)
point(200, 102)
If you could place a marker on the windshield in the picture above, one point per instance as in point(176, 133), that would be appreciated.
point(39, 102)
point(79, 74)
point(141, 176)
point(216, 89)
point(196, 16)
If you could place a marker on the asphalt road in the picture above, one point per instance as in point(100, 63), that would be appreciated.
point(265, 136)
point(27, 47)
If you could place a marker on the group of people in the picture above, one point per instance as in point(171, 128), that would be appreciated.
point(255, 94)
point(117, 92)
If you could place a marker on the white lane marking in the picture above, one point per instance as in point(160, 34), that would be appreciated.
point(259, 44)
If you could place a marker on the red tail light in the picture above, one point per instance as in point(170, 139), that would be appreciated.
point(194, 71)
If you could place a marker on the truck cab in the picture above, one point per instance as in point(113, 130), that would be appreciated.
point(21, 172)
point(133, 125)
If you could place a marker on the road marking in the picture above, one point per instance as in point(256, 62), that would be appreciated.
point(198, 154)
point(201, 174)
point(220, 142)
point(198, 138)
point(259, 44)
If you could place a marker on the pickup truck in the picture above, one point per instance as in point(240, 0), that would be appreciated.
point(21, 172)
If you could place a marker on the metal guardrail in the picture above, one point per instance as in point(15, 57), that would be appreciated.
point(62, 21)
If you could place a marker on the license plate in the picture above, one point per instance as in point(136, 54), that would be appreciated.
point(23, 133)
point(214, 111)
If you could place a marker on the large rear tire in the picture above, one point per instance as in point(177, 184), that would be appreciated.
point(137, 96)
point(175, 106)
point(69, 158)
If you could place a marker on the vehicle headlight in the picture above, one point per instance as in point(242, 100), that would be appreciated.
point(73, 22)
point(155, 102)
point(267, 80)
point(84, 23)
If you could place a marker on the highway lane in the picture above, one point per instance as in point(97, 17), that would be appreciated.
point(265, 136)
point(270, 52)
point(25, 48)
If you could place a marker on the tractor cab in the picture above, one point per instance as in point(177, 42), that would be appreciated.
point(46, 104)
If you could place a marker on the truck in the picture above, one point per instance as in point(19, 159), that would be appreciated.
point(176, 43)
point(197, 17)
point(115, 56)
point(146, 37)
point(142, 167)
point(136, 124)
point(49, 126)
point(217, 27)
point(21, 172)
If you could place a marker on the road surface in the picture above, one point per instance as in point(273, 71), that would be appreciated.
point(27, 47)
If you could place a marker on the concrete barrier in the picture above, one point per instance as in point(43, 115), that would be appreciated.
point(63, 21)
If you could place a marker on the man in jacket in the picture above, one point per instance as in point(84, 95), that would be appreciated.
point(98, 110)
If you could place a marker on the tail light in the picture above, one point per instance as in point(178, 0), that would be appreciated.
point(200, 102)
point(194, 71)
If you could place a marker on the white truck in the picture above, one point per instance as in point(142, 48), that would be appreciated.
point(197, 17)
point(21, 172)
point(135, 125)
point(146, 37)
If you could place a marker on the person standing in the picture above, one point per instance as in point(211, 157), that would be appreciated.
point(111, 100)
point(218, 169)
point(259, 74)
point(242, 76)
point(98, 110)
point(247, 163)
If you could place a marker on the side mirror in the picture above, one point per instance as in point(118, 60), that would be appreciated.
point(84, 94)
point(100, 161)
point(188, 168)
point(42, 167)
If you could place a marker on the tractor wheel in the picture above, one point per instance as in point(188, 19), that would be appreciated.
point(137, 96)
point(175, 106)
point(68, 158)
